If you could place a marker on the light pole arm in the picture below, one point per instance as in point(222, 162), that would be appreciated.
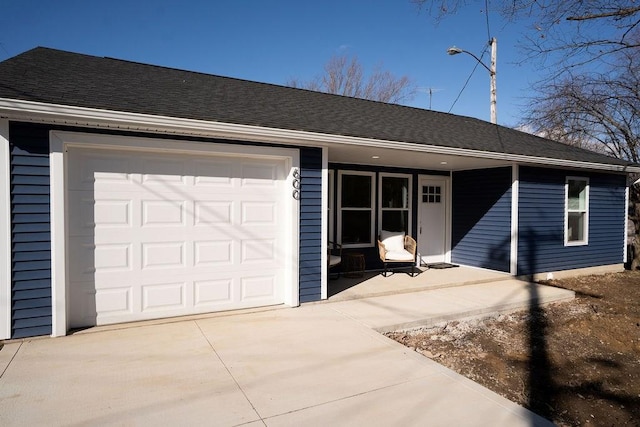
point(492, 72)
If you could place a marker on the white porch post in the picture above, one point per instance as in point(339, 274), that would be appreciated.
point(515, 189)
point(324, 223)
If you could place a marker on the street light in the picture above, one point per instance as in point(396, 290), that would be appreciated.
point(492, 71)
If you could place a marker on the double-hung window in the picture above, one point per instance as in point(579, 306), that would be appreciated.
point(356, 195)
point(576, 231)
point(395, 202)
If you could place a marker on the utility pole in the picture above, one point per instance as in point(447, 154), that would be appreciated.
point(492, 72)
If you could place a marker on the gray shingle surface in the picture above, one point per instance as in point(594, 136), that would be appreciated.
point(59, 77)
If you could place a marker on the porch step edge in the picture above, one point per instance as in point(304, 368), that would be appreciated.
point(340, 298)
point(478, 313)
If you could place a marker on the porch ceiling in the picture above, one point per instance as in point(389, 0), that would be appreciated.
point(366, 155)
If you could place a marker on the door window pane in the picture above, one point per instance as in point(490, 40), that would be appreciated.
point(431, 194)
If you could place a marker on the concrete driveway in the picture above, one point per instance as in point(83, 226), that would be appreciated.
point(313, 365)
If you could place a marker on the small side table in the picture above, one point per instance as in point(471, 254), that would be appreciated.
point(353, 264)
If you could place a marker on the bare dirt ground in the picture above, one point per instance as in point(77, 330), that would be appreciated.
point(575, 363)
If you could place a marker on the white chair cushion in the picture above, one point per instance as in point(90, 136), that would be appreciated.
point(334, 260)
point(402, 255)
point(393, 241)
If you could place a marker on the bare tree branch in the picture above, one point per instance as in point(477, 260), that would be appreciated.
point(620, 13)
point(345, 76)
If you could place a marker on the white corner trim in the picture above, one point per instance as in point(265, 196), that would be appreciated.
point(324, 221)
point(515, 198)
point(82, 116)
point(58, 237)
point(292, 287)
point(5, 232)
point(625, 212)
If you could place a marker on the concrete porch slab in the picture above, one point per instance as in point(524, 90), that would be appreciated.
point(427, 308)
point(373, 284)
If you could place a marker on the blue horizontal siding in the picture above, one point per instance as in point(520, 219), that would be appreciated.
point(19, 331)
point(310, 225)
point(32, 294)
point(541, 221)
point(481, 218)
point(31, 244)
point(30, 230)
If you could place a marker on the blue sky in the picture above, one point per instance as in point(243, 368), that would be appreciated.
point(273, 41)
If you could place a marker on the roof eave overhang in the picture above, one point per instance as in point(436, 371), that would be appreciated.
point(90, 117)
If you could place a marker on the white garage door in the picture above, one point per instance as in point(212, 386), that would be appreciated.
point(156, 235)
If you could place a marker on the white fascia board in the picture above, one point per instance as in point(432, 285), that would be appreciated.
point(90, 117)
point(5, 233)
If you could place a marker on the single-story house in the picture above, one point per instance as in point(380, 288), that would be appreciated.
point(132, 191)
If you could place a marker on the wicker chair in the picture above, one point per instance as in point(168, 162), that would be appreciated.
point(397, 248)
point(334, 257)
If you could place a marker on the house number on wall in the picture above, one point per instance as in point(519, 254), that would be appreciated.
point(296, 184)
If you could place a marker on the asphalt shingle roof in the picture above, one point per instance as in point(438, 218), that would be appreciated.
point(59, 77)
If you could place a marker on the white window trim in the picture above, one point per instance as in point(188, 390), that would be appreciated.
point(625, 258)
point(381, 208)
point(585, 241)
point(372, 175)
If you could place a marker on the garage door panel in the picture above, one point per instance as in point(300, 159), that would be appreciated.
point(213, 253)
point(114, 301)
point(175, 235)
point(258, 174)
point(164, 171)
point(216, 173)
point(163, 255)
point(258, 288)
point(255, 251)
point(166, 212)
point(212, 293)
point(88, 259)
point(164, 296)
point(258, 213)
point(89, 214)
point(207, 213)
point(98, 169)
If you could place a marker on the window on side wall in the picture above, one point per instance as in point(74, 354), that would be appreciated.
point(355, 208)
point(576, 230)
point(395, 202)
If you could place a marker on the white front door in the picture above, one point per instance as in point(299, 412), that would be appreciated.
point(432, 219)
